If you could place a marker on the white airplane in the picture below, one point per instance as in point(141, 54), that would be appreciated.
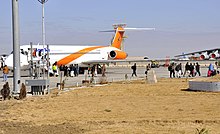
point(183, 57)
point(81, 55)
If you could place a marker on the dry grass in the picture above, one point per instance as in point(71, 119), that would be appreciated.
point(122, 107)
point(215, 78)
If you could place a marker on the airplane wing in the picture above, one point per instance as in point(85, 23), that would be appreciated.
point(203, 54)
point(125, 60)
point(112, 61)
point(198, 52)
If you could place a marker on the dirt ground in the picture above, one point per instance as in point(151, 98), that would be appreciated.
point(124, 107)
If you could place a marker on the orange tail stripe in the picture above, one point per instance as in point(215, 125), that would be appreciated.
point(76, 55)
point(118, 38)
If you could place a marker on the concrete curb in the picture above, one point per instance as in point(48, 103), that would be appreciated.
point(204, 86)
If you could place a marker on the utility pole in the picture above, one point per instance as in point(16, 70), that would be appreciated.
point(43, 35)
point(44, 43)
point(16, 46)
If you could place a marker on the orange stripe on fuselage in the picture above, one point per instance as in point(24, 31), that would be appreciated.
point(74, 56)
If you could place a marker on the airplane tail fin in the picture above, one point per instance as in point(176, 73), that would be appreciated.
point(118, 38)
point(119, 30)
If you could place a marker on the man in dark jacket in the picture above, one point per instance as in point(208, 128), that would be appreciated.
point(134, 68)
point(197, 69)
point(171, 68)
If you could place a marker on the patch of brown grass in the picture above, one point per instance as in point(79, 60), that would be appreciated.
point(122, 107)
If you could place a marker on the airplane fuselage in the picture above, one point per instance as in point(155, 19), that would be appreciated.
point(67, 54)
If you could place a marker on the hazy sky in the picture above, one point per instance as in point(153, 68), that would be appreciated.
point(181, 26)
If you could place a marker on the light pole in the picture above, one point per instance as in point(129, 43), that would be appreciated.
point(43, 34)
point(16, 46)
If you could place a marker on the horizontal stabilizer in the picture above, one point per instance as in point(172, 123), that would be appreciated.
point(139, 29)
point(108, 31)
point(130, 29)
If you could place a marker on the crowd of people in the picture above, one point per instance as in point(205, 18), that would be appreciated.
point(71, 70)
point(175, 70)
point(191, 70)
point(213, 69)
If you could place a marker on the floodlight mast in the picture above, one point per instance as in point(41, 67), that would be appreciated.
point(16, 47)
point(43, 34)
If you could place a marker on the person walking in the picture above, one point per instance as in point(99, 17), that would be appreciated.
point(191, 69)
point(134, 68)
point(210, 70)
point(61, 70)
point(147, 69)
point(5, 73)
point(54, 68)
point(187, 70)
point(216, 68)
point(103, 70)
point(178, 69)
point(197, 69)
point(171, 68)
